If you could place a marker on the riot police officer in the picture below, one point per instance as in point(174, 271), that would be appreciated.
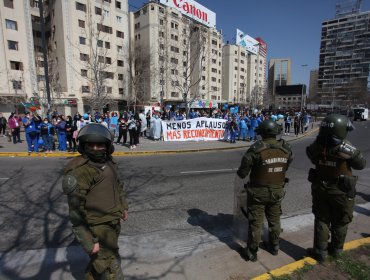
point(333, 184)
point(267, 160)
point(96, 201)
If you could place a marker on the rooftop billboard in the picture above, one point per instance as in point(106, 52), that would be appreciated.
point(193, 10)
point(247, 42)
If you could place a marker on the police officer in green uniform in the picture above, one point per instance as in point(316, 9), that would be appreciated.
point(96, 201)
point(267, 161)
point(333, 184)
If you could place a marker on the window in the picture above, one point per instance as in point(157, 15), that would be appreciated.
point(118, 4)
point(174, 94)
point(80, 7)
point(105, 13)
point(214, 42)
point(108, 75)
point(84, 57)
point(85, 89)
point(119, 34)
point(83, 72)
point(107, 1)
point(12, 45)
point(17, 84)
point(214, 70)
point(175, 49)
point(119, 49)
point(99, 43)
point(174, 60)
point(104, 28)
point(82, 40)
point(108, 60)
point(98, 11)
point(213, 79)
point(9, 4)
point(137, 25)
point(81, 23)
point(119, 19)
point(120, 63)
point(120, 91)
point(120, 77)
point(101, 59)
point(108, 89)
point(161, 22)
point(16, 65)
point(11, 24)
point(107, 45)
point(174, 25)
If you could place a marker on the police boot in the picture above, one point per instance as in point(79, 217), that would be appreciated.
point(274, 249)
point(249, 254)
point(319, 255)
point(333, 251)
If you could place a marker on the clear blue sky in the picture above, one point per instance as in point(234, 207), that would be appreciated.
point(290, 28)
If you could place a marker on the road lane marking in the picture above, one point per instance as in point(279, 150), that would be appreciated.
point(208, 171)
point(4, 178)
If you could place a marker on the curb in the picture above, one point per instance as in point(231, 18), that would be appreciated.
point(290, 268)
point(141, 153)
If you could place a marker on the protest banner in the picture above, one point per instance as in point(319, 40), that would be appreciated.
point(199, 129)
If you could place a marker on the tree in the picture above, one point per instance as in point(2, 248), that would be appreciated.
point(139, 75)
point(98, 65)
point(191, 54)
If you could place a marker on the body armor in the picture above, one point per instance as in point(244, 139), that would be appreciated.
point(270, 171)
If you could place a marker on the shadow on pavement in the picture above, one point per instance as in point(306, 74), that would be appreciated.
point(364, 196)
point(292, 250)
point(362, 210)
point(219, 225)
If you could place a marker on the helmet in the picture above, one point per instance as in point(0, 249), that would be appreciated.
point(85, 116)
point(334, 128)
point(268, 128)
point(95, 133)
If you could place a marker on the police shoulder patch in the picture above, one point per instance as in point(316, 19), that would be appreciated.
point(69, 184)
point(258, 146)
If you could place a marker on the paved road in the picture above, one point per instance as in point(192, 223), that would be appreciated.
point(180, 205)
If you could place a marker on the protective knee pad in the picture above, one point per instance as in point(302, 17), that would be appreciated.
point(114, 271)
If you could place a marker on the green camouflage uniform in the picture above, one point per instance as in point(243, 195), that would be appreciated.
point(267, 161)
point(333, 192)
point(96, 202)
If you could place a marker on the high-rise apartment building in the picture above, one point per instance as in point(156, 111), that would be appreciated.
point(182, 50)
point(17, 59)
point(345, 57)
point(314, 74)
point(87, 46)
point(240, 69)
point(279, 74)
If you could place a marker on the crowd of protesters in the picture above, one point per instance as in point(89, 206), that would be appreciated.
point(58, 132)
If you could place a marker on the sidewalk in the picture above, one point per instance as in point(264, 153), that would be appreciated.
point(147, 146)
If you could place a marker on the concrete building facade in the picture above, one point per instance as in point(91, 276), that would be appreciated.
point(17, 59)
point(240, 69)
point(184, 57)
point(344, 75)
point(79, 34)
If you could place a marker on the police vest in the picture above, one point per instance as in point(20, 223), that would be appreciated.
point(329, 168)
point(271, 168)
point(103, 202)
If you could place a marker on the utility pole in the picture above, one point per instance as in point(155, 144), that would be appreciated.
point(45, 54)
